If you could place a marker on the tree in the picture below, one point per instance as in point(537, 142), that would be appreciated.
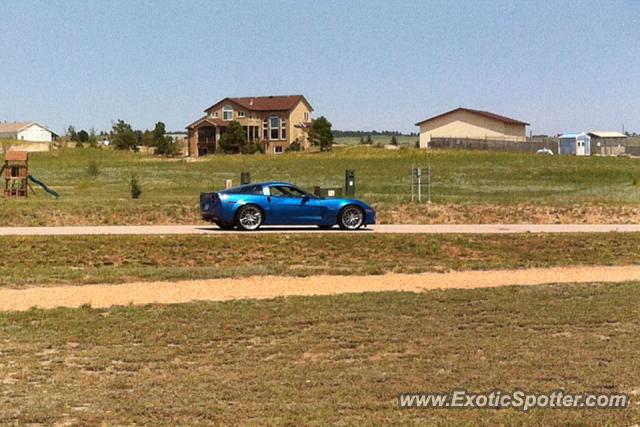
point(233, 139)
point(361, 140)
point(394, 140)
point(83, 136)
point(369, 140)
point(93, 139)
point(320, 133)
point(72, 134)
point(123, 136)
point(159, 132)
point(164, 144)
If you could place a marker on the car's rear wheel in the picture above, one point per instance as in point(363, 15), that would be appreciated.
point(225, 225)
point(351, 218)
point(249, 218)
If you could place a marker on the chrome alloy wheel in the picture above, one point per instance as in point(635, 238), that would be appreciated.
point(250, 218)
point(352, 218)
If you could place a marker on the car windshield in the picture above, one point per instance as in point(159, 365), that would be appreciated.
point(288, 191)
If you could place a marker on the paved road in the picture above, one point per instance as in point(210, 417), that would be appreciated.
point(388, 228)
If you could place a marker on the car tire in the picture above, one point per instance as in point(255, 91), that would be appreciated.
point(351, 217)
point(225, 225)
point(249, 218)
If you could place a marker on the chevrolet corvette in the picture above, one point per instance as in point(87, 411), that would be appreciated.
point(250, 206)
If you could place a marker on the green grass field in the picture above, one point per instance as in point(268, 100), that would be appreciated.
point(322, 360)
point(469, 186)
point(78, 260)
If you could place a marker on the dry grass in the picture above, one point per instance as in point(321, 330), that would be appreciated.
point(321, 360)
point(467, 186)
point(115, 259)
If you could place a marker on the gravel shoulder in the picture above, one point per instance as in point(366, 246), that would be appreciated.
point(378, 228)
point(266, 287)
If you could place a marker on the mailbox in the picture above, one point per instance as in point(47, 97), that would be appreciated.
point(350, 183)
point(245, 178)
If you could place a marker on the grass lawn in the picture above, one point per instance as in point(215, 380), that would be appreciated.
point(467, 186)
point(322, 360)
point(115, 259)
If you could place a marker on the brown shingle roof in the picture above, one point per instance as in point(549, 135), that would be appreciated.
point(266, 103)
point(479, 112)
point(207, 119)
point(13, 127)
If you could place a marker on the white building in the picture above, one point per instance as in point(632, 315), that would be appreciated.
point(26, 131)
point(576, 144)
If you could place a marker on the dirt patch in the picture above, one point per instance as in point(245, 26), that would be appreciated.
point(260, 287)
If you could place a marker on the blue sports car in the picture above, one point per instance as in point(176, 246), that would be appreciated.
point(279, 203)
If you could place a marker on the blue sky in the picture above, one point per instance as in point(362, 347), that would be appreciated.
point(560, 65)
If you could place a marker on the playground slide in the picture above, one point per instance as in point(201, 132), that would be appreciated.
point(43, 186)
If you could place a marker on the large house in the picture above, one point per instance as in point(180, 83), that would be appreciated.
point(26, 131)
point(274, 122)
point(465, 123)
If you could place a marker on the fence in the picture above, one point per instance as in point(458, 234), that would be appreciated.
point(531, 145)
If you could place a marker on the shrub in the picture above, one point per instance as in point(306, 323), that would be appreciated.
point(136, 190)
point(92, 168)
point(294, 146)
point(79, 144)
point(250, 149)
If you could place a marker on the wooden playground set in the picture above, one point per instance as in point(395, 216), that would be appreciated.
point(17, 180)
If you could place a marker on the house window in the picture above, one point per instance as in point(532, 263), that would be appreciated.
point(227, 112)
point(240, 114)
point(306, 116)
point(214, 114)
point(265, 129)
point(277, 150)
point(274, 126)
point(283, 129)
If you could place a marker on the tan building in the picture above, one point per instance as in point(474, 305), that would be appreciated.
point(465, 123)
point(274, 122)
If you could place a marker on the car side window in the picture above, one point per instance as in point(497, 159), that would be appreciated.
point(252, 189)
point(284, 191)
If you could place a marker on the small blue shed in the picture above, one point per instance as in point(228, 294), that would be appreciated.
point(576, 144)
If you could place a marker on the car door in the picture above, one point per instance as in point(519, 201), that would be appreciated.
point(284, 205)
point(312, 210)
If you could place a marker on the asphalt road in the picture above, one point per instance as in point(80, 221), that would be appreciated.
point(383, 228)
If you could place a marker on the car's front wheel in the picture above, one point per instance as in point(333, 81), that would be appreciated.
point(351, 218)
point(249, 218)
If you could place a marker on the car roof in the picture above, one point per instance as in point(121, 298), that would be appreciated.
point(274, 183)
point(253, 184)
